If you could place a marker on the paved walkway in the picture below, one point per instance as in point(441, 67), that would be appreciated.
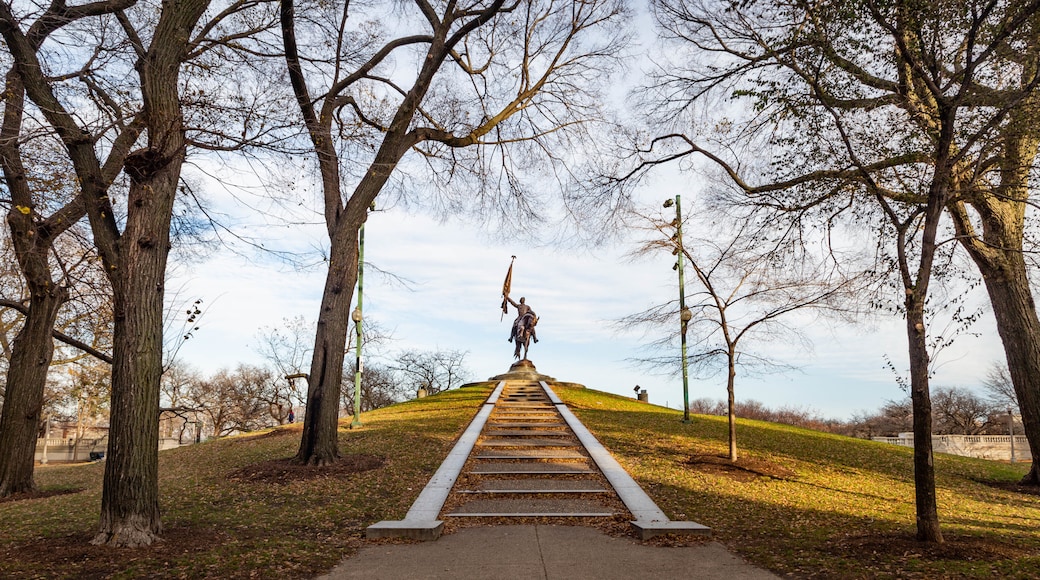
point(542, 552)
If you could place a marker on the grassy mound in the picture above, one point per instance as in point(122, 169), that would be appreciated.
point(813, 504)
point(798, 501)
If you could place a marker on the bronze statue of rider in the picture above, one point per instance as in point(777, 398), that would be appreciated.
point(522, 309)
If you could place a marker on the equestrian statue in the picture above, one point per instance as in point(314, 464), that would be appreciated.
point(523, 331)
point(523, 327)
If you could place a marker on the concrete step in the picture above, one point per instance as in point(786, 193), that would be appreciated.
point(566, 508)
point(527, 442)
point(532, 468)
point(527, 454)
point(512, 424)
point(537, 485)
point(522, 461)
point(542, 402)
point(526, 433)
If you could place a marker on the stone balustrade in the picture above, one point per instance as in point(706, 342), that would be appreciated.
point(996, 447)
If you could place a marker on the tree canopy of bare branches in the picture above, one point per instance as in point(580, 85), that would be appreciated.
point(118, 91)
point(747, 279)
point(463, 86)
point(888, 113)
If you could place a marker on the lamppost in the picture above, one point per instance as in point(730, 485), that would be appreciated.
point(1011, 428)
point(684, 313)
point(356, 316)
point(46, 438)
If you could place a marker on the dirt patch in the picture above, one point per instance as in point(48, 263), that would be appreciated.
point(73, 555)
point(40, 494)
point(679, 541)
point(744, 469)
point(900, 547)
point(1013, 487)
point(284, 431)
point(282, 471)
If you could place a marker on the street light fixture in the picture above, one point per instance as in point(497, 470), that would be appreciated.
point(684, 313)
point(356, 316)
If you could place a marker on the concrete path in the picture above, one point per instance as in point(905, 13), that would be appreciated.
point(542, 552)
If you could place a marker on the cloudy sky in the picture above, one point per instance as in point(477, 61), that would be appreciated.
point(456, 272)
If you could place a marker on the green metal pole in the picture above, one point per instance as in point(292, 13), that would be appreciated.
point(357, 327)
point(682, 312)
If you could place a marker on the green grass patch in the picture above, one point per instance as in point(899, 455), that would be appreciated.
point(799, 502)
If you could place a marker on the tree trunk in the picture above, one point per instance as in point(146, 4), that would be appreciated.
point(924, 468)
point(915, 286)
point(997, 252)
point(130, 499)
point(319, 443)
point(136, 264)
point(731, 379)
point(32, 351)
point(1019, 329)
point(33, 348)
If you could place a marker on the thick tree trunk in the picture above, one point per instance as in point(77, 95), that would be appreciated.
point(997, 252)
point(31, 355)
point(319, 444)
point(130, 498)
point(136, 264)
point(1007, 283)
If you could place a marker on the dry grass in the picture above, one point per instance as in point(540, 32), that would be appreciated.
point(812, 504)
point(234, 508)
point(799, 502)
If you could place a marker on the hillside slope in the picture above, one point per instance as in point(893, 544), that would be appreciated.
point(801, 502)
point(817, 504)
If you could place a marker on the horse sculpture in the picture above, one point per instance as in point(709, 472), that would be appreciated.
point(524, 332)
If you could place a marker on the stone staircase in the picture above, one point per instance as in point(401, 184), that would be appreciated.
point(525, 455)
point(527, 462)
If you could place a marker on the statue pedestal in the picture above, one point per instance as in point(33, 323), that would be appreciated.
point(522, 371)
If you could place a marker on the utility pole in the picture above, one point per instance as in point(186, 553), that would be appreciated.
point(684, 314)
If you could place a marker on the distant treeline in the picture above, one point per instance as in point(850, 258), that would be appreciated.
point(955, 411)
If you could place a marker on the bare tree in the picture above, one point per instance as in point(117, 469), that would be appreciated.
point(434, 371)
point(380, 387)
point(746, 285)
point(1000, 387)
point(960, 411)
point(233, 400)
point(132, 78)
point(287, 348)
point(175, 388)
point(487, 74)
point(824, 82)
point(41, 209)
point(89, 391)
